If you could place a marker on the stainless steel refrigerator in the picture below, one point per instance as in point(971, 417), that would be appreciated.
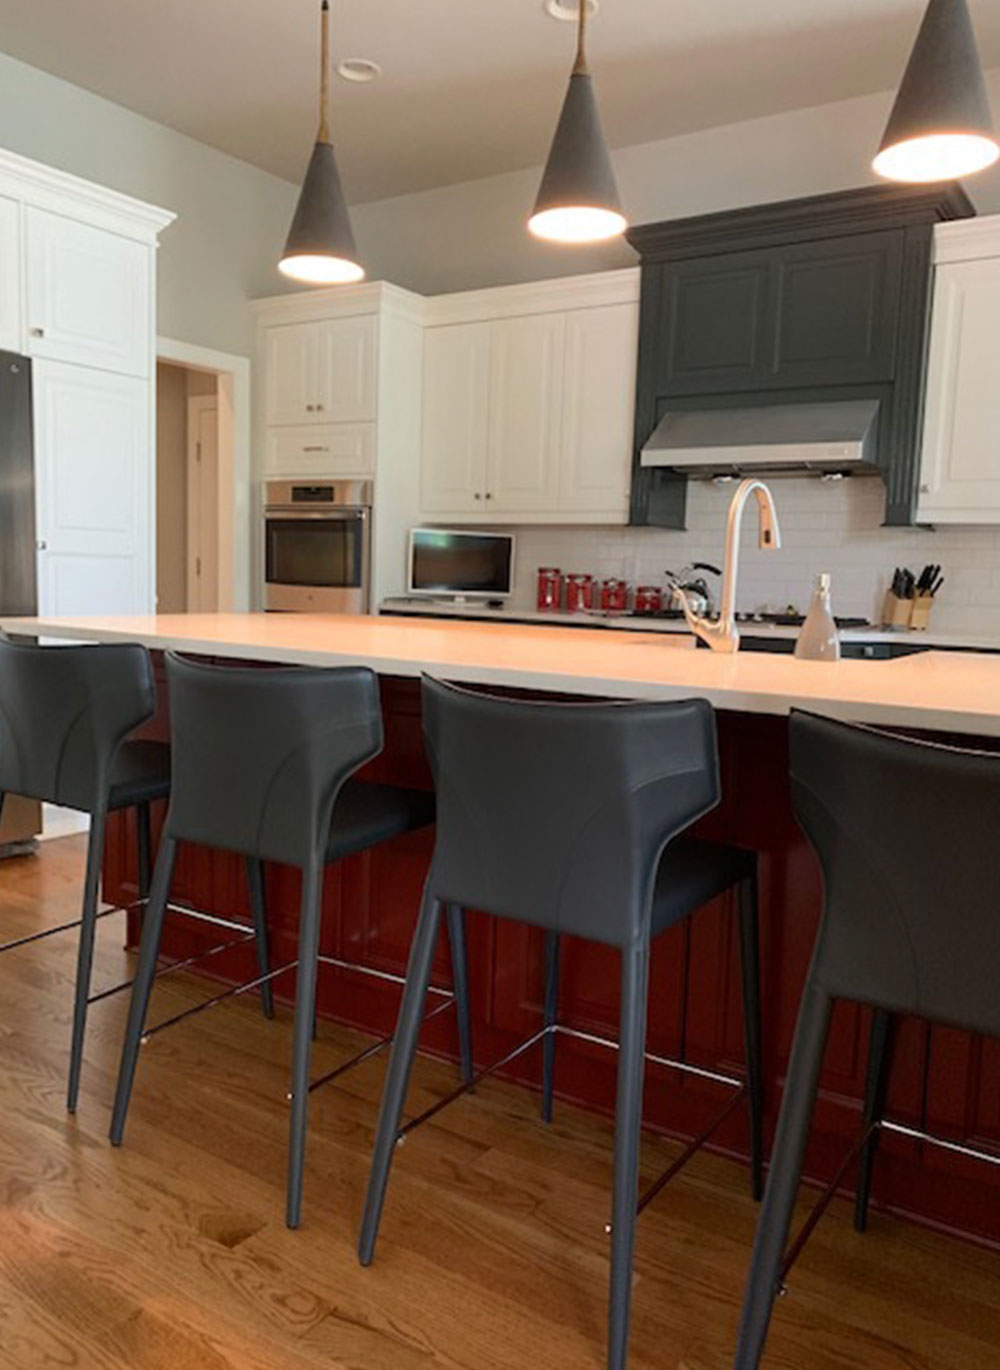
point(18, 548)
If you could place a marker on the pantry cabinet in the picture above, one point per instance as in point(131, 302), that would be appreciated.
point(10, 275)
point(89, 298)
point(322, 371)
point(960, 465)
point(78, 295)
point(528, 406)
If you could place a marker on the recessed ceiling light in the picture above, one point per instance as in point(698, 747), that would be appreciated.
point(568, 10)
point(359, 69)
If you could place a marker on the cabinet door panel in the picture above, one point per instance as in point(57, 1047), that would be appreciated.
point(836, 306)
point(10, 275)
point(456, 418)
point(342, 449)
point(345, 369)
point(598, 408)
point(526, 368)
point(93, 462)
point(960, 474)
point(289, 365)
point(89, 297)
point(716, 315)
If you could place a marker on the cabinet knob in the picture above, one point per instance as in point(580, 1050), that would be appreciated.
point(925, 489)
point(321, 406)
point(38, 332)
point(310, 407)
point(477, 495)
point(41, 545)
point(488, 495)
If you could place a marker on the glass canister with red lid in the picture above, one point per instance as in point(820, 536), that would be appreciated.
point(614, 595)
point(648, 599)
point(579, 593)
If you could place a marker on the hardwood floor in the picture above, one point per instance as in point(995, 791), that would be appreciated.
point(172, 1253)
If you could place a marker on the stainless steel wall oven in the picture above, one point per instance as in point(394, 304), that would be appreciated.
point(317, 546)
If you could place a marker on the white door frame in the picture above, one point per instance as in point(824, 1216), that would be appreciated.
point(233, 373)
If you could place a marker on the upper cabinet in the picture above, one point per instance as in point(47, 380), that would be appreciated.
point(821, 298)
point(322, 371)
point(528, 405)
point(89, 295)
point(960, 469)
point(10, 275)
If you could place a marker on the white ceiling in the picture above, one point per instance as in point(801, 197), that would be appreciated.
point(470, 87)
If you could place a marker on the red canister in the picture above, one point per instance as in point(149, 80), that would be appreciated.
point(549, 588)
point(614, 595)
point(648, 599)
point(579, 593)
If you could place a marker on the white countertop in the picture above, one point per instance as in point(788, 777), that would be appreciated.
point(630, 623)
point(954, 692)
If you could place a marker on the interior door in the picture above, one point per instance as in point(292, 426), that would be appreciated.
point(89, 299)
point(203, 504)
point(93, 466)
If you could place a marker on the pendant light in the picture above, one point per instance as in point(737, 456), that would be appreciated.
point(940, 127)
point(320, 248)
point(578, 198)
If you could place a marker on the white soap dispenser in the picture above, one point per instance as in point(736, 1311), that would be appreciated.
point(818, 638)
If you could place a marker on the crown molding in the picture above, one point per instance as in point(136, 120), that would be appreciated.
point(536, 297)
point(61, 192)
point(967, 240)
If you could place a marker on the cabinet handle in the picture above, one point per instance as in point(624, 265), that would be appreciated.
point(38, 332)
point(41, 545)
point(315, 449)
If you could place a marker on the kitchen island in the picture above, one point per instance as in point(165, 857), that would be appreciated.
point(945, 1080)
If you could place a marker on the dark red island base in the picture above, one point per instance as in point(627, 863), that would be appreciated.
point(944, 1081)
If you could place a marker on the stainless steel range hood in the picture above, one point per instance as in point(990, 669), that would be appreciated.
point(832, 437)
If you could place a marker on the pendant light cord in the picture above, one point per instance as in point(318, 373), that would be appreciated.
point(580, 65)
point(323, 136)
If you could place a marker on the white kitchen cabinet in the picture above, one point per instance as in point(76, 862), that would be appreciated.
point(321, 371)
point(340, 449)
point(960, 466)
point(526, 368)
point(10, 275)
point(456, 408)
point(598, 409)
point(93, 473)
point(89, 295)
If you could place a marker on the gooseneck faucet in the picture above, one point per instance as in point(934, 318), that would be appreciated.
point(721, 633)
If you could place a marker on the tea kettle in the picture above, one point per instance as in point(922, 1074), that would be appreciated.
point(695, 587)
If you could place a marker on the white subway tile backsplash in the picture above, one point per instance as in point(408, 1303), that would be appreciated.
point(825, 527)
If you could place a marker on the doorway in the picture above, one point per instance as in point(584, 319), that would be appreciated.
point(202, 480)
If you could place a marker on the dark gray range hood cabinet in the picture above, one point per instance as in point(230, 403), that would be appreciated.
point(811, 301)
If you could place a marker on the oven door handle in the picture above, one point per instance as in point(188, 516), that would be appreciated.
point(342, 515)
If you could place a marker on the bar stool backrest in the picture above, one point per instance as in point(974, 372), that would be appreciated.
point(557, 814)
point(259, 754)
point(64, 711)
point(908, 835)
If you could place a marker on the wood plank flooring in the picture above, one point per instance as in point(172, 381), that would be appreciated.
point(171, 1254)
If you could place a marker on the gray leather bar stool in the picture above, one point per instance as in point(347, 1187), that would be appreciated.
point(626, 780)
point(262, 766)
point(66, 713)
point(65, 717)
point(906, 833)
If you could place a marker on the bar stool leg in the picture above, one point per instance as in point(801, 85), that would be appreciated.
point(85, 953)
point(411, 1011)
point(879, 1063)
point(551, 1013)
point(750, 971)
point(258, 908)
point(460, 982)
point(628, 1127)
point(305, 1026)
point(149, 950)
point(783, 1178)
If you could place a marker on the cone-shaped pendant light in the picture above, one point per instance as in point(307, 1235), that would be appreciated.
point(578, 198)
point(320, 248)
point(940, 127)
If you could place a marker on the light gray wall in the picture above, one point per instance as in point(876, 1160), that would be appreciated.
point(232, 218)
point(470, 235)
